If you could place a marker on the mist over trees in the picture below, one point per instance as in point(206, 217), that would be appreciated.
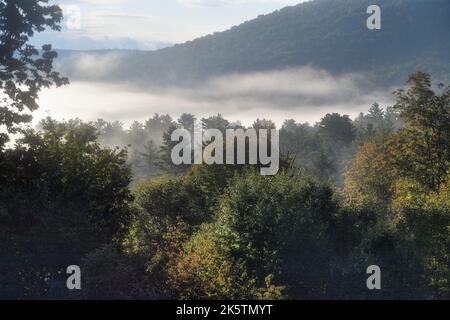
point(140, 227)
point(321, 148)
point(349, 194)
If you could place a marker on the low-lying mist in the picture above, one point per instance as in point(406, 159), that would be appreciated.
point(304, 94)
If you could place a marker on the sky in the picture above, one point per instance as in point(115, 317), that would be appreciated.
point(150, 24)
point(303, 94)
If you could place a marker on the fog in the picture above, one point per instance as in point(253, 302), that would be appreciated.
point(304, 94)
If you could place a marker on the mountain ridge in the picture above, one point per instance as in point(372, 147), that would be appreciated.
point(325, 34)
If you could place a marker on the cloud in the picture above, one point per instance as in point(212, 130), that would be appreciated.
point(286, 88)
point(222, 3)
point(304, 94)
point(89, 65)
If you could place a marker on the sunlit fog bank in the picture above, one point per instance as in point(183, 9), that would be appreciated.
point(305, 95)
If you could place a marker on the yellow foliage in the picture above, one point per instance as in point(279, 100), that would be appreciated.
point(369, 179)
point(199, 272)
point(202, 271)
point(408, 193)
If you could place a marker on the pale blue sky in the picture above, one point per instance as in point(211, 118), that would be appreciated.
point(162, 20)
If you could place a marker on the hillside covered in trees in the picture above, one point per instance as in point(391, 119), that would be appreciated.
point(326, 34)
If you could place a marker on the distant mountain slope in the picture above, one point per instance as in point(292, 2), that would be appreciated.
point(328, 34)
point(64, 41)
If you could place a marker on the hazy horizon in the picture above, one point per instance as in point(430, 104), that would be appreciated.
point(149, 24)
point(303, 94)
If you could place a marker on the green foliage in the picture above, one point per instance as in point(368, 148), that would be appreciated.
point(24, 71)
point(376, 122)
point(425, 217)
point(201, 271)
point(110, 273)
point(62, 196)
point(276, 227)
point(169, 198)
point(421, 150)
point(403, 178)
point(321, 149)
point(337, 129)
point(165, 162)
point(224, 231)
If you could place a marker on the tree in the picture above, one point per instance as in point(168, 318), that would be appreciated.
point(421, 150)
point(337, 128)
point(277, 227)
point(24, 71)
point(369, 179)
point(376, 121)
point(62, 196)
point(376, 113)
point(263, 124)
point(165, 163)
point(170, 198)
point(187, 121)
point(215, 122)
point(159, 124)
point(323, 167)
point(201, 271)
point(149, 158)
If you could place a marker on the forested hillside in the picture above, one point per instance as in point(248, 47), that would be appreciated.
point(327, 34)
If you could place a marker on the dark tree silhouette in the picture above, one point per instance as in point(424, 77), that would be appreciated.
point(25, 70)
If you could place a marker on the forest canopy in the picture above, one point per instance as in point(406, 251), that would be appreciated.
point(350, 193)
point(373, 190)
